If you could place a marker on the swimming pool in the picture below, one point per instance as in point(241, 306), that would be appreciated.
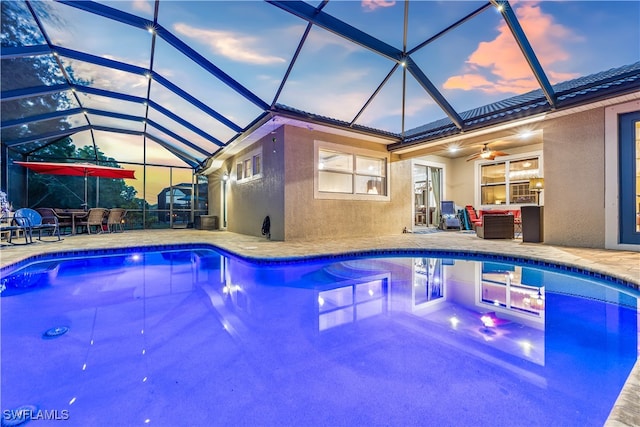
point(199, 337)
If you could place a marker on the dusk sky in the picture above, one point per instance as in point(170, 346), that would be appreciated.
point(475, 64)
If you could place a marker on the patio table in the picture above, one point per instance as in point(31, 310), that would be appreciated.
point(73, 214)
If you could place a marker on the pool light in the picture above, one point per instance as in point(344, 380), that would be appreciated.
point(454, 322)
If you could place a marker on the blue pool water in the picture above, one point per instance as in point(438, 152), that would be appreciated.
point(197, 337)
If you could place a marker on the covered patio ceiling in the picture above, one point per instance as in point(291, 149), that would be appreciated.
point(179, 82)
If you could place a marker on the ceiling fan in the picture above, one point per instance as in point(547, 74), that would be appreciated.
point(486, 153)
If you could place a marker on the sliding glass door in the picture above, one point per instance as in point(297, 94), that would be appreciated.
point(427, 189)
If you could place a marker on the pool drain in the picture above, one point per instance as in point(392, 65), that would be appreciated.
point(18, 416)
point(55, 332)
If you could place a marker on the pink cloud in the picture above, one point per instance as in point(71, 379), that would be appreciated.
point(498, 66)
point(143, 6)
point(375, 4)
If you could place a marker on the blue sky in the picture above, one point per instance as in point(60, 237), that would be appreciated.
point(475, 64)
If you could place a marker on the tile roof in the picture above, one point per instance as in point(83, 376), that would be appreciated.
point(305, 115)
point(579, 91)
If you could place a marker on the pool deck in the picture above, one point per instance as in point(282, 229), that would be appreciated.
point(624, 265)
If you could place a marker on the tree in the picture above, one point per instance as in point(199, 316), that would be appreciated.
point(23, 72)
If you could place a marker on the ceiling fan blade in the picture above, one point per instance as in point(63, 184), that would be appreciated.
point(486, 154)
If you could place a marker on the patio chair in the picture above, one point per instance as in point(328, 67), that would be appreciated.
point(114, 220)
point(34, 222)
point(473, 217)
point(48, 215)
point(95, 218)
point(448, 218)
point(11, 225)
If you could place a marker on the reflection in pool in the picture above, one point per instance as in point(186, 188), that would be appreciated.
point(195, 337)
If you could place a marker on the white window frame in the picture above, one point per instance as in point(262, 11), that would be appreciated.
point(506, 160)
point(249, 157)
point(354, 151)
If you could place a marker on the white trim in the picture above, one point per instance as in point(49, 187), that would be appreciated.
point(242, 159)
point(611, 188)
point(443, 183)
point(348, 149)
point(515, 157)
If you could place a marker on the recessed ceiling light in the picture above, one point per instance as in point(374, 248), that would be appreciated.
point(525, 134)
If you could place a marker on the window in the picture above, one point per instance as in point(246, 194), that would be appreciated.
point(335, 172)
point(507, 182)
point(370, 174)
point(355, 175)
point(249, 166)
point(256, 164)
point(239, 171)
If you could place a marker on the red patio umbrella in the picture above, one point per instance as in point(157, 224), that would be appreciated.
point(79, 169)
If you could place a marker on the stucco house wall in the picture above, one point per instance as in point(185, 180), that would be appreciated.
point(574, 195)
point(307, 217)
point(248, 203)
point(573, 169)
point(462, 183)
point(574, 180)
point(286, 193)
point(214, 194)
